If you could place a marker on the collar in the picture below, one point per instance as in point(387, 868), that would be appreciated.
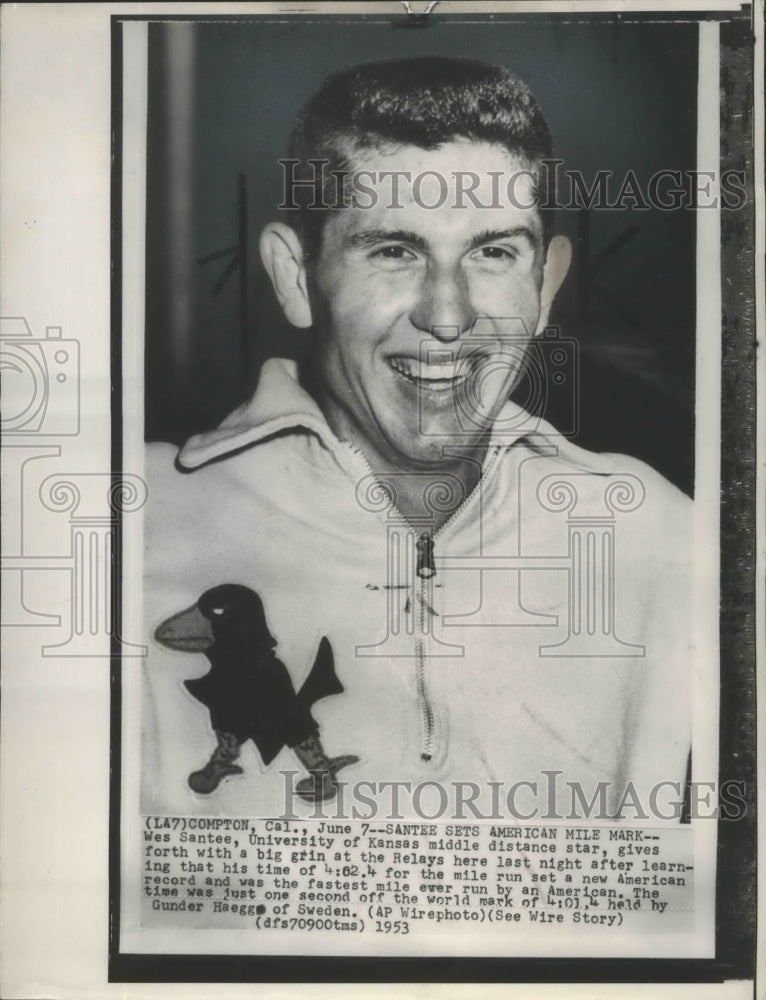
point(281, 404)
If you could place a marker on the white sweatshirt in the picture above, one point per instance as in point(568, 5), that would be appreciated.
point(551, 637)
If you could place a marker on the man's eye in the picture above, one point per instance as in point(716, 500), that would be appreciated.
point(497, 253)
point(394, 253)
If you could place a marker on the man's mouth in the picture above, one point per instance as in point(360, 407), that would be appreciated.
point(435, 377)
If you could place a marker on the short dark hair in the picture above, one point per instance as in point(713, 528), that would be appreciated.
point(423, 102)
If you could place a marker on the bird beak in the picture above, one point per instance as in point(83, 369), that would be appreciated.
point(189, 631)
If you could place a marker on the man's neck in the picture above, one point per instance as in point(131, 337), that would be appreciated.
point(430, 496)
point(424, 494)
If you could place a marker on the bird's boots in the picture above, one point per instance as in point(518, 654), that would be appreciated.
point(220, 765)
point(321, 785)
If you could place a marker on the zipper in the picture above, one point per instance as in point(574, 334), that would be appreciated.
point(425, 568)
point(425, 571)
point(472, 496)
point(424, 704)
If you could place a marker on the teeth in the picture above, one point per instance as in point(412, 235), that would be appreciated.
point(415, 369)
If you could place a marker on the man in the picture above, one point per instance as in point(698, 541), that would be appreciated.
point(501, 605)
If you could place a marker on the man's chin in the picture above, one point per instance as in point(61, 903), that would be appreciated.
point(442, 450)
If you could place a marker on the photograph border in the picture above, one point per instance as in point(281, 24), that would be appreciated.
point(736, 903)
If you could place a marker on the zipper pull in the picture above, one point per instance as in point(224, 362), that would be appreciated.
point(425, 567)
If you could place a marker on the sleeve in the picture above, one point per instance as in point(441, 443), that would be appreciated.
point(659, 718)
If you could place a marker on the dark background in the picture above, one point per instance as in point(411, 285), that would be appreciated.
point(618, 96)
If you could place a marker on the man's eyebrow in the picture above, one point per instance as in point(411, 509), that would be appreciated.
point(371, 237)
point(494, 235)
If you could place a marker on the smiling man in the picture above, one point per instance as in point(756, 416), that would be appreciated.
point(401, 279)
point(502, 606)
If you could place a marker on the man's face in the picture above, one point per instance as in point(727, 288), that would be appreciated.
point(423, 313)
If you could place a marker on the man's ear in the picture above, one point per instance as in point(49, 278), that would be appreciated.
point(282, 256)
point(557, 261)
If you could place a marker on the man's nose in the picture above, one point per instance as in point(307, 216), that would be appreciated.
point(443, 308)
